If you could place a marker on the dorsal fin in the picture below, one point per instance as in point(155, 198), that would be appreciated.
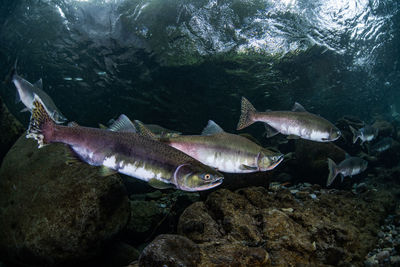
point(143, 130)
point(123, 124)
point(39, 84)
point(73, 124)
point(212, 128)
point(298, 107)
point(347, 155)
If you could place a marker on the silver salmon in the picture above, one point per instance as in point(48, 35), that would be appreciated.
point(348, 167)
point(296, 124)
point(225, 151)
point(366, 133)
point(26, 92)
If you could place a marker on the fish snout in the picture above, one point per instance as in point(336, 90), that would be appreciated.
point(335, 134)
point(270, 162)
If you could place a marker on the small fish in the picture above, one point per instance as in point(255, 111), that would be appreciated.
point(382, 145)
point(26, 92)
point(394, 113)
point(366, 133)
point(297, 123)
point(78, 79)
point(101, 73)
point(348, 167)
point(160, 165)
point(67, 78)
point(224, 151)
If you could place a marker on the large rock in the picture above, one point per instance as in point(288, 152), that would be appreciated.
point(156, 212)
point(256, 227)
point(170, 250)
point(52, 213)
point(11, 129)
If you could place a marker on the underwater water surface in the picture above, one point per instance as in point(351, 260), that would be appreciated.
point(179, 64)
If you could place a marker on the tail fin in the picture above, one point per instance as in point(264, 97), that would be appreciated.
point(11, 73)
point(355, 134)
point(41, 125)
point(332, 172)
point(247, 112)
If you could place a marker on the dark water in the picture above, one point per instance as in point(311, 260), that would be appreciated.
point(168, 62)
point(180, 63)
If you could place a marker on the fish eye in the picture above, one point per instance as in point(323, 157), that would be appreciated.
point(207, 176)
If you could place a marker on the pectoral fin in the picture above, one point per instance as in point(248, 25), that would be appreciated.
point(159, 184)
point(247, 168)
point(292, 136)
point(24, 110)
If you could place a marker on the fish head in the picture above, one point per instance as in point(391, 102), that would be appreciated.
point(58, 117)
point(334, 134)
point(267, 160)
point(364, 165)
point(196, 177)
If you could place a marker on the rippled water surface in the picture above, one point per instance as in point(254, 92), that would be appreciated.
point(180, 63)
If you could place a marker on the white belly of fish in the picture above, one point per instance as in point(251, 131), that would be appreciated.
point(131, 169)
point(225, 164)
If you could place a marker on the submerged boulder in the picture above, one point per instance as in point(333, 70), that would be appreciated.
point(170, 250)
point(52, 213)
point(11, 129)
point(257, 227)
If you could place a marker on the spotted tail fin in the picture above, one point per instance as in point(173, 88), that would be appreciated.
point(41, 125)
point(247, 111)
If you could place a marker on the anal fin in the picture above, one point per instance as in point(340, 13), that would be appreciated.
point(71, 157)
point(104, 171)
point(270, 131)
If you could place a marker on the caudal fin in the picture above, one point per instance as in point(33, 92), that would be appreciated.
point(355, 134)
point(246, 115)
point(41, 125)
point(11, 73)
point(332, 172)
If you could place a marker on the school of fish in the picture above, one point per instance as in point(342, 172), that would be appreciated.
point(167, 159)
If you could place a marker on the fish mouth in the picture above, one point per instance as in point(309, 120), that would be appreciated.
point(276, 163)
point(210, 185)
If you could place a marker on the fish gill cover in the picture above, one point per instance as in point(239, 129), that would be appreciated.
point(167, 61)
